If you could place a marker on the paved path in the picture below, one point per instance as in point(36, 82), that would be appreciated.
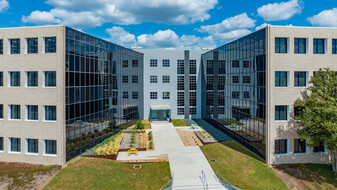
point(186, 163)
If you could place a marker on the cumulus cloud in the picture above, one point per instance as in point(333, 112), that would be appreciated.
point(4, 5)
point(130, 12)
point(279, 11)
point(81, 20)
point(262, 26)
point(161, 39)
point(230, 28)
point(326, 18)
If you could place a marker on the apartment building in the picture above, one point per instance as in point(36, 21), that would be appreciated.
point(62, 92)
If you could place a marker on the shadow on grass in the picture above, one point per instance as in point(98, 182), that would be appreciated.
point(239, 148)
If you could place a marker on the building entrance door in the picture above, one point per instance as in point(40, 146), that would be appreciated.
point(160, 115)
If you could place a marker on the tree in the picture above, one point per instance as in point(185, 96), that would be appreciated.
point(317, 113)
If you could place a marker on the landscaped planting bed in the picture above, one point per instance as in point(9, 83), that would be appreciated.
point(205, 137)
point(133, 139)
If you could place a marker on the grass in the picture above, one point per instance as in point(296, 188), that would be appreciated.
point(94, 173)
point(22, 175)
point(241, 167)
point(179, 122)
point(147, 124)
point(321, 175)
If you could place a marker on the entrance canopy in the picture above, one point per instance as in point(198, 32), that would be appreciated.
point(160, 107)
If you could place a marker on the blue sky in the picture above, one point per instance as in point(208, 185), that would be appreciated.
point(168, 23)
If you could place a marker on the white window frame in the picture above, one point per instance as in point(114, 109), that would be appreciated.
point(44, 80)
point(26, 147)
point(288, 148)
point(9, 115)
point(44, 114)
point(26, 113)
point(9, 147)
point(26, 79)
point(44, 149)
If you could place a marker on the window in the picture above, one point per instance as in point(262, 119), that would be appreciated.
point(221, 98)
point(166, 63)
point(153, 79)
point(50, 45)
point(32, 45)
point(281, 113)
point(153, 95)
point(181, 83)
point(209, 111)
point(300, 45)
point(32, 146)
point(221, 110)
point(193, 99)
point(300, 79)
point(209, 66)
point(1, 144)
point(32, 112)
point(14, 112)
point(15, 144)
point(50, 79)
point(334, 46)
point(125, 63)
point(125, 95)
point(134, 95)
point(125, 79)
point(298, 110)
point(246, 79)
point(14, 79)
point(193, 66)
point(319, 46)
point(193, 83)
point(246, 64)
point(281, 45)
point(222, 67)
point(246, 94)
point(209, 99)
point(134, 79)
point(181, 99)
point(32, 79)
point(153, 63)
point(1, 79)
point(300, 146)
point(14, 46)
point(1, 46)
point(180, 67)
point(235, 94)
point(166, 79)
point(222, 81)
point(181, 111)
point(50, 147)
point(281, 146)
point(1, 111)
point(193, 111)
point(317, 149)
point(50, 113)
point(135, 63)
point(235, 64)
point(235, 79)
point(166, 95)
point(281, 79)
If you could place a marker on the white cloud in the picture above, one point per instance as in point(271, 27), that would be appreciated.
point(326, 18)
point(279, 11)
point(262, 26)
point(230, 28)
point(4, 5)
point(81, 20)
point(124, 12)
point(167, 39)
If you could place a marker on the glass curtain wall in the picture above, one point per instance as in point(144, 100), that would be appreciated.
point(95, 108)
point(244, 114)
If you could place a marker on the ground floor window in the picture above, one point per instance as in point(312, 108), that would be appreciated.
point(181, 111)
point(15, 144)
point(281, 146)
point(32, 146)
point(50, 147)
point(1, 144)
point(300, 146)
point(319, 148)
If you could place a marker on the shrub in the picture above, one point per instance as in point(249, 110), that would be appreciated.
point(151, 145)
point(150, 137)
point(139, 125)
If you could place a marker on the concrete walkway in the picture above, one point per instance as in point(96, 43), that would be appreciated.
point(186, 163)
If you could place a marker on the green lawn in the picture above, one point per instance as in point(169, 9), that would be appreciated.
point(242, 168)
point(94, 173)
point(179, 122)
